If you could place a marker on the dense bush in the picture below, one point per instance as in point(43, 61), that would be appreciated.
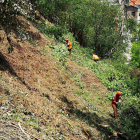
point(54, 30)
point(136, 54)
point(132, 24)
point(60, 52)
point(129, 119)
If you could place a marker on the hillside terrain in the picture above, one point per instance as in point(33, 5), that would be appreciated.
point(42, 99)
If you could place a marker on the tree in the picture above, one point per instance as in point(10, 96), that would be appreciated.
point(96, 26)
point(52, 9)
point(92, 22)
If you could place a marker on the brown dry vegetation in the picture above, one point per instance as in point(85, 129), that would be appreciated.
point(39, 98)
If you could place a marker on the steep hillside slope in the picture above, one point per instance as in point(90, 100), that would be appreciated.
point(41, 99)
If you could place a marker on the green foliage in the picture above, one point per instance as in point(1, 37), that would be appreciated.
point(52, 8)
point(92, 22)
point(138, 30)
point(136, 54)
point(111, 129)
point(132, 24)
point(98, 31)
point(79, 93)
point(130, 124)
point(109, 96)
point(57, 31)
point(45, 95)
point(78, 80)
point(34, 120)
point(60, 52)
point(54, 30)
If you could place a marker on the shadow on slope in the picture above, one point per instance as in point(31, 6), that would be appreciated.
point(4, 65)
point(93, 120)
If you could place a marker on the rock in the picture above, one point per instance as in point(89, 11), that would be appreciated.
point(9, 113)
point(4, 115)
point(105, 125)
point(21, 93)
point(60, 138)
point(44, 137)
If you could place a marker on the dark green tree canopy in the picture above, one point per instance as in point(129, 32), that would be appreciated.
point(93, 22)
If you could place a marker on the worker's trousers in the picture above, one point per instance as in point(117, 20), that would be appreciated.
point(115, 110)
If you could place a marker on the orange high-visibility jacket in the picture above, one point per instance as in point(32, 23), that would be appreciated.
point(95, 57)
point(116, 99)
point(69, 45)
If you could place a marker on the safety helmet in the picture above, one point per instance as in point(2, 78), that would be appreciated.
point(118, 93)
point(66, 39)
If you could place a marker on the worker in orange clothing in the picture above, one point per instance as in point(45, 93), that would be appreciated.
point(69, 46)
point(95, 57)
point(116, 98)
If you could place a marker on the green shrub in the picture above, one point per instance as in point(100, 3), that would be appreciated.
point(132, 24)
point(129, 120)
point(57, 30)
point(51, 29)
point(60, 52)
point(136, 54)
